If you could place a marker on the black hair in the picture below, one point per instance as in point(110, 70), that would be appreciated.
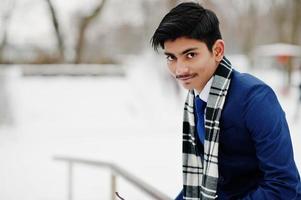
point(189, 20)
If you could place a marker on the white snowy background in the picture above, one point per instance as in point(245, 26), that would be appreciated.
point(133, 121)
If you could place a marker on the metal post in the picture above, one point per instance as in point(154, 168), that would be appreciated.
point(115, 172)
point(113, 186)
point(70, 180)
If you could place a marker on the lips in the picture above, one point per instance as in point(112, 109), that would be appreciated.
point(185, 77)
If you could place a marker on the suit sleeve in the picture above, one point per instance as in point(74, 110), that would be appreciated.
point(266, 122)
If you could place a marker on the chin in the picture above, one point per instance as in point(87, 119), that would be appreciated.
point(187, 87)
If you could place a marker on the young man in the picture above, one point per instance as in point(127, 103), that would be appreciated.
point(236, 142)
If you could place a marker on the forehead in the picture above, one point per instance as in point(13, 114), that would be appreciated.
point(183, 43)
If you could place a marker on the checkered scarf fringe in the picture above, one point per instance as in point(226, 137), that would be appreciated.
point(200, 167)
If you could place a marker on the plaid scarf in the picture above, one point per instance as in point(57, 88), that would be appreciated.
point(200, 166)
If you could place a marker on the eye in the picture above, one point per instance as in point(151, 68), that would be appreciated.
point(170, 58)
point(191, 55)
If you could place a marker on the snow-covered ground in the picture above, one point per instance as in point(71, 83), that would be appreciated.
point(134, 122)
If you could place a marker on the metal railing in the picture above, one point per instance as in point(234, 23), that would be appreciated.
point(115, 171)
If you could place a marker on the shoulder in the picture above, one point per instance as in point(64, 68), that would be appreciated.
point(246, 85)
point(245, 79)
point(258, 103)
point(248, 92)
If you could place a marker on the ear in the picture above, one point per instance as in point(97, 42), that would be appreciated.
point(218, 49)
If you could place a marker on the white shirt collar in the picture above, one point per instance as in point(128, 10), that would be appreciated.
point(204, 94)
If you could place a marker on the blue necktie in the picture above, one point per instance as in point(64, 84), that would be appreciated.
point(199, 110)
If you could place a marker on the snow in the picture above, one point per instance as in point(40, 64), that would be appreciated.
point(133, 121)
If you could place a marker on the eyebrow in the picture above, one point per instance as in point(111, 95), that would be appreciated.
point(182, 53)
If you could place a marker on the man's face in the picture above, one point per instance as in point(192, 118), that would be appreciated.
point(190, 62)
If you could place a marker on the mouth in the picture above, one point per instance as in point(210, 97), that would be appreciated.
point(185, 77)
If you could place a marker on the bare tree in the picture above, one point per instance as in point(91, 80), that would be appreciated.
point(8, 11)
point(296, 22)
point(287, 19)
point(295, 31)
point(250, 36)
point(281, 17)
point(56, 26)
point(5, 114)
point(243, 22)
point(83, 25)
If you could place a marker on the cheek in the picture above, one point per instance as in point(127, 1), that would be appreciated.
point(198, 65)
point(202, 64)
point(171, 69)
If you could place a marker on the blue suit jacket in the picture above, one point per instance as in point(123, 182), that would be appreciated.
point(255, 150)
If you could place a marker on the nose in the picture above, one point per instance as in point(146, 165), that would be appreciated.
point(181, 67)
